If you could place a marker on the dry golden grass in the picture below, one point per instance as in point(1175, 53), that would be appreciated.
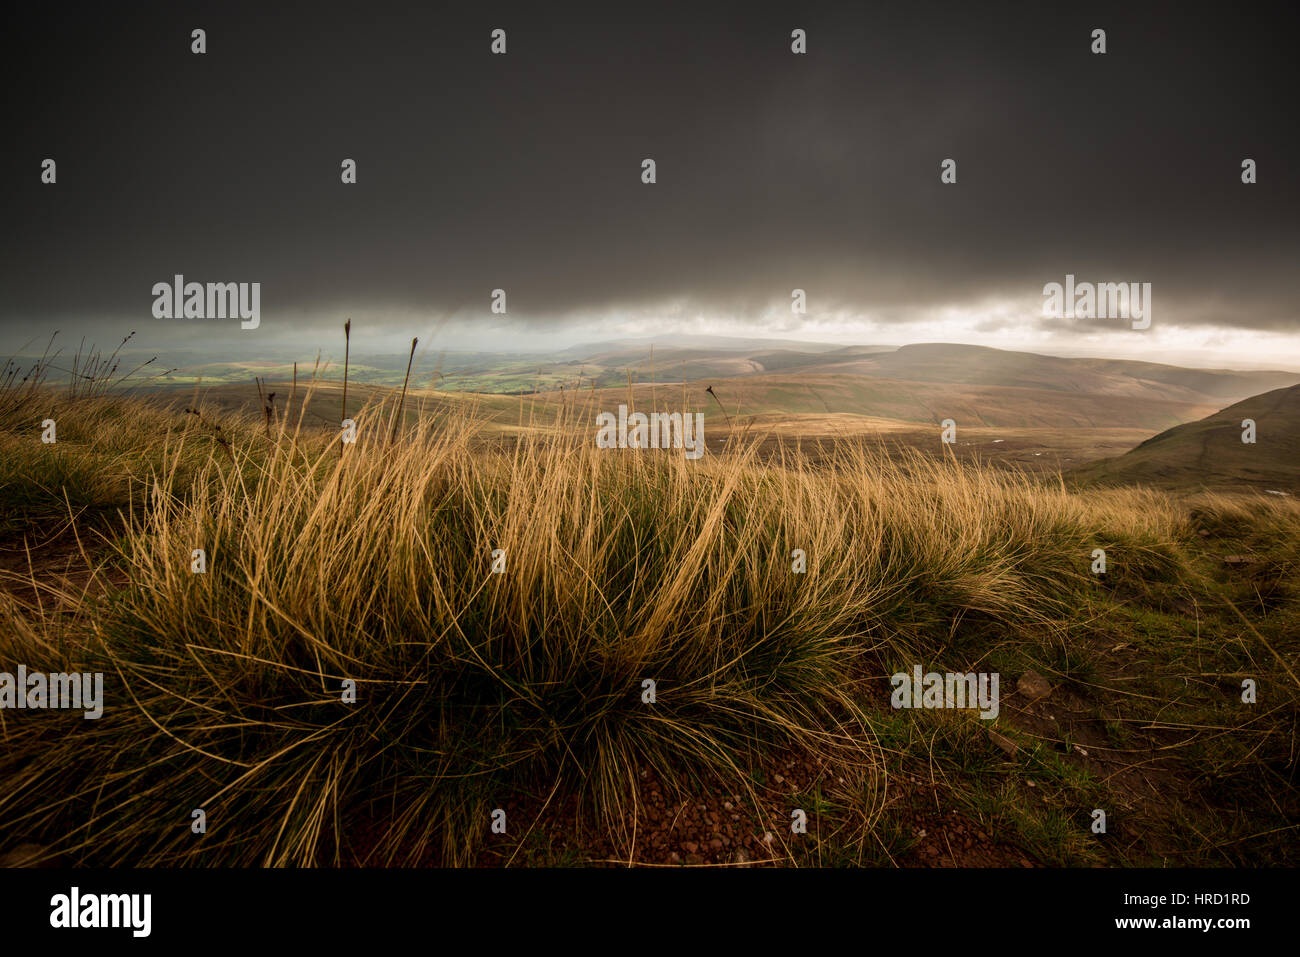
point(373, 563)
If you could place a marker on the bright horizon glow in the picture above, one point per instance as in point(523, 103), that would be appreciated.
point(1012, 325)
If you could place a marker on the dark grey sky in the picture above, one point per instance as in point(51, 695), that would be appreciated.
point(775, 171)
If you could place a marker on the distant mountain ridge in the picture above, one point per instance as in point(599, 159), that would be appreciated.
point(919, 383)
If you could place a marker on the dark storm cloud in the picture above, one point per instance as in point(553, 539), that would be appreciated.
point(522, 171)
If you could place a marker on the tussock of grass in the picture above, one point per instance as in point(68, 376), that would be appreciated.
point(373, 563)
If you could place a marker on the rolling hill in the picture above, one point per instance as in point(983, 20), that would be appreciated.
point(1210, 453)
point(957, 364)
point(920, 384)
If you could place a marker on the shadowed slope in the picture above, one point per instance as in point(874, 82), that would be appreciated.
point(1211, 454)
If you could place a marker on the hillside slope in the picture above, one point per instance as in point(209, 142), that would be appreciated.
point(1210, 453)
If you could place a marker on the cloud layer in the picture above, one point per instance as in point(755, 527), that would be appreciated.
point(775, 171)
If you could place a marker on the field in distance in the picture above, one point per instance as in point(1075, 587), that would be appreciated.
point(1041, 413)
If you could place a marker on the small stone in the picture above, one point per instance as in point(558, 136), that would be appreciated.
point(768, 837)
point(741, 857)
point(715, 844)
point(691, 846)
point(780, 779)
point(728, 805)
point(1033, 686)
point(694, 859)
point(674, 858)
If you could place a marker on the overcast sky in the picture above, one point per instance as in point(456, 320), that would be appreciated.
point(775, 171)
